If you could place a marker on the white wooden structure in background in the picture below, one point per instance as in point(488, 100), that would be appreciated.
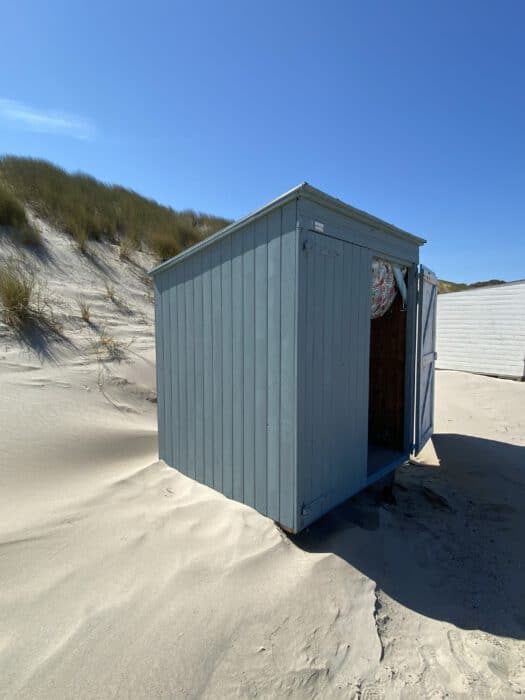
point(483, 330)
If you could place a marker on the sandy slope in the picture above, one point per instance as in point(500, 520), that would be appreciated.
point(119, 577)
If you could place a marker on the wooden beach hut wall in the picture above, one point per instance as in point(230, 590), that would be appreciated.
point(275, 387)
point(483, 330)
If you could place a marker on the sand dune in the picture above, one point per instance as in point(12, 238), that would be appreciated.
point(119, 577)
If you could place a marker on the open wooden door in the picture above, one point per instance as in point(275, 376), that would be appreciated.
point(426, 357)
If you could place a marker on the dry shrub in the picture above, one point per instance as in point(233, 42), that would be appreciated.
point(107, 345)
point(85, 309)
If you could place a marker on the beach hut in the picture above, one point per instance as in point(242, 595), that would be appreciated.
point(482, 330)
point(275, 384)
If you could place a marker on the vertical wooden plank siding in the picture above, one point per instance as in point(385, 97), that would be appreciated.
point(198, 327)
point(330, 386)
point(208, 368)
point(181, 365)
point(411, 345)
point(340, 360)
point(217, 365)
point(315, 375)
point(332, 395)
point(248, 260)
point(426, 325)
point(238, 367)
point(305, 340)
point(261, 363)
point(227, 363)
point(352, 348)
point(189, 334)
point(365, 285)
point(288, 441)
point(274, 362)
point(227, 367)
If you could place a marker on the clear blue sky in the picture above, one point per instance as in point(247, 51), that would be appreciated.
point(413, 111)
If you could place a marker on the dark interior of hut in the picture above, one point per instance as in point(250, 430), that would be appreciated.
point(386, 412)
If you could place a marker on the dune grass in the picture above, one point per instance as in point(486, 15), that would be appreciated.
point(24, 302)
point(17, 287)
point(88, 209)
point(111, 295)
point(14, 219)
point(126, 248)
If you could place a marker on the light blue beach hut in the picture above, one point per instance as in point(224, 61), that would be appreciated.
point(274, 384)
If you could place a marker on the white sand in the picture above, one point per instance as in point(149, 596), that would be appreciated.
point(120, 577)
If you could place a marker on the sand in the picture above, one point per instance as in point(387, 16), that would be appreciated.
point(121, 578)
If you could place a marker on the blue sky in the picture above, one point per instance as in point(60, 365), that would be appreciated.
point(413, 111)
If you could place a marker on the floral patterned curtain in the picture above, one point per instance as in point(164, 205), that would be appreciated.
point(384, 288)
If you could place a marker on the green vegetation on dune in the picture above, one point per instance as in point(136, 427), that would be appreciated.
point(12, 212)
point(24, 302)
point(13, 218)
point(16, 294)
point(86, 208)
point(445, 287)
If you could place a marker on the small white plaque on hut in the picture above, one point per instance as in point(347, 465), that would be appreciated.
point(319, 226)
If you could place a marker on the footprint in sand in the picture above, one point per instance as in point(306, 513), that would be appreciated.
point(482, 684)
point(435, 679)
point(472, 677)
point(371, 693)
